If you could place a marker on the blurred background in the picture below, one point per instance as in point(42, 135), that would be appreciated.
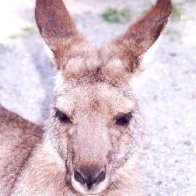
point(165, 87)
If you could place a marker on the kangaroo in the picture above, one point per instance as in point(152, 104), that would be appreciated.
point(18, 138)
point(93, 134)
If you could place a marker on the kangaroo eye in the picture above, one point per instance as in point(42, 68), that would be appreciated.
point(62, 117)
point(124, 119)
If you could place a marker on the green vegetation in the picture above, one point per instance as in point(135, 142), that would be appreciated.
point(116, 16)
point(30, 29)
point(14, 36)
point(176, 13)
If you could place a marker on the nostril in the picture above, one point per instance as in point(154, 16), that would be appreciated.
point(101, 176)
point(89, 177)
point(79, 177)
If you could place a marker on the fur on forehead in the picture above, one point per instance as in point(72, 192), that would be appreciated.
point(79, 61)
point(76, 58)
point(119, 62)
point(83, 63)
point(69, 92)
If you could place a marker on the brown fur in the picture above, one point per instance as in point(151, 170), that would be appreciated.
point(18, 137)
point(92, 90)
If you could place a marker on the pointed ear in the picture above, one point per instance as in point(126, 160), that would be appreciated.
point(59, 32)
point(54, 23)
point(140, 36)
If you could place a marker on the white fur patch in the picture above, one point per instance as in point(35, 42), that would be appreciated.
point(53, 155)
point(59, 82)
point(95, 190)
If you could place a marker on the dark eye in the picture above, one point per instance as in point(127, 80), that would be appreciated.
point(123, 120)
point(62, 117)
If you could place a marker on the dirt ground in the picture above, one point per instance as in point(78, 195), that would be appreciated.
point(166, 86)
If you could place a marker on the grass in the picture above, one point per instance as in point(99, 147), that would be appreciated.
point(176, 13)
point(30, 30)
point(14, 36)
point(116, 16)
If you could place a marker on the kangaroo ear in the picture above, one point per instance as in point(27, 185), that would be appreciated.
point(126, 51)
point(60, 33)
point(141, 35)
point(54, 23)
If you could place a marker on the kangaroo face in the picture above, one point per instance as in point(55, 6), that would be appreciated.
point(94, 123)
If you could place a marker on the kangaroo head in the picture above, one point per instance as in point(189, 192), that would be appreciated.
point(94, 121)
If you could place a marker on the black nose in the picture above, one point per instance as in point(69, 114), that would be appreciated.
point(90, 177)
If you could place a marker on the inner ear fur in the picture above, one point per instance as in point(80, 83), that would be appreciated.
point(122, 56)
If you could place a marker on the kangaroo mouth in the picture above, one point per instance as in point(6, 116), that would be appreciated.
point(89, 189)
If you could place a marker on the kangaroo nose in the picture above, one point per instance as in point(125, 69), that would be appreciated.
point(89, 177)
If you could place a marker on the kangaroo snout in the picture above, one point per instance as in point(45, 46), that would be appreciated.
point(90, 177)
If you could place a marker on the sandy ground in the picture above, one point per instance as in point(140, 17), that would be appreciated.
point(166, 86)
